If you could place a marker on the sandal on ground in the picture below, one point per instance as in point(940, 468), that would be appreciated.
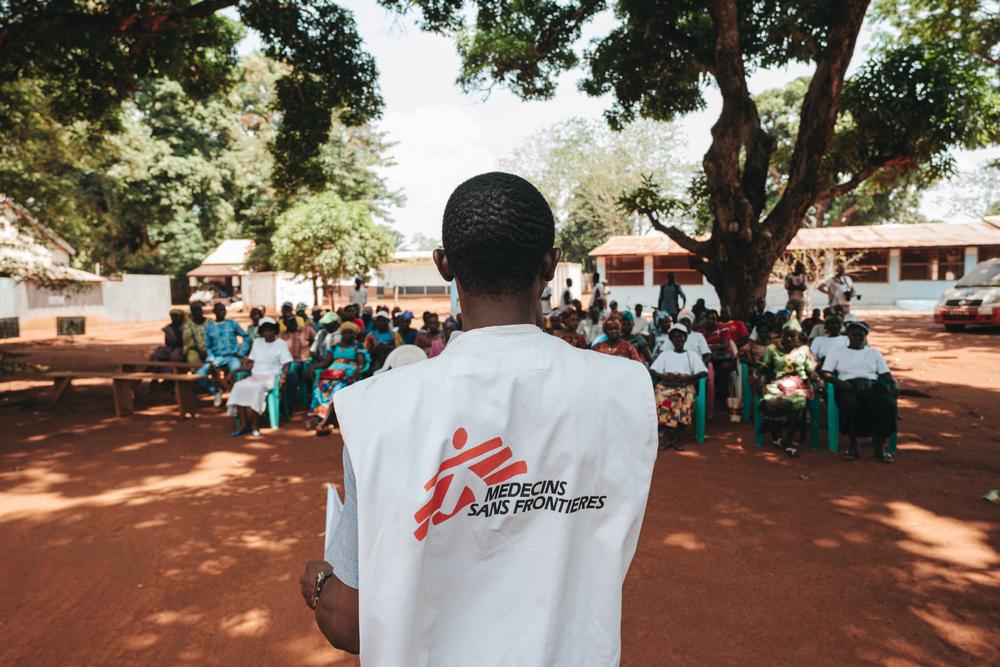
point(324, 431)
point(678, 446)
point(238, 432)
point(885, 457)
point(777, 444)
point(792, 452)
point(255, 434)
point(850, 455)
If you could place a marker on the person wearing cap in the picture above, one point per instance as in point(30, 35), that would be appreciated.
point(269, 358)
point(404, 355)
point(676, 372)
point(695, 340)
point(326, 337)
point(407, 334)
point(173, 341)
point(865, 392)
point(359, 294)
point(382, 340)
point(785, 381)
point(486, 519)
point(315, 316)
point(288, 310)
point(344, 364)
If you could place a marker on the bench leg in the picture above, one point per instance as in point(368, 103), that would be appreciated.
point(187, 400)
point(59, 388)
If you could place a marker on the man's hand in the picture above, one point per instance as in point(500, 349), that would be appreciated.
point(307, 582)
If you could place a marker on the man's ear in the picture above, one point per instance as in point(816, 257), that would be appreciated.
point(444, 268)
point(549, 262)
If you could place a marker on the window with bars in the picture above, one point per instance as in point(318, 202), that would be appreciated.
point(680, 266)
point(931, 263)
point(988, 252)
point(623, 270)
point(871, 267)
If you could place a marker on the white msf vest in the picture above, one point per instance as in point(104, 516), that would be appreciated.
point(501, 487)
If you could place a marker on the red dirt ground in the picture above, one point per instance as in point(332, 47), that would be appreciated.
point(150, 541)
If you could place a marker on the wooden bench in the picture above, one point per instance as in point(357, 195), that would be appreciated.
point(123, 386)
point(141, 366)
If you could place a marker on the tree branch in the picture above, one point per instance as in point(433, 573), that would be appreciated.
point(736, 198)
point(870, 169)
point(817, 118)
point(148, 21)
point(694, 246)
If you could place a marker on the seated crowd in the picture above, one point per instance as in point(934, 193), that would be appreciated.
point(317, 353)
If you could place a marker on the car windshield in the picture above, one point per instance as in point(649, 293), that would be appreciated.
point(986, 274)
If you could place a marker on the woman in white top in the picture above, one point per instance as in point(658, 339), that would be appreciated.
point(866, 392)
point(268, 357)
point(823, 345)
point(676, 372)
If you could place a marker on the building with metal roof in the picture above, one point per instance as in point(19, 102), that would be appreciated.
point(895, 265)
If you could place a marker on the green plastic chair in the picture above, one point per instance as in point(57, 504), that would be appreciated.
point(833, 421)
point(275, 406)
point(748, 394)
point(700, 411)
point(813, 409)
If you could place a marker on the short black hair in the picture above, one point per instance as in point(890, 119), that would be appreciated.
point(496, 229)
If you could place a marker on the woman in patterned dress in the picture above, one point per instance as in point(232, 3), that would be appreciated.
point(615, 345)
point(785, 380)
point(348, 360)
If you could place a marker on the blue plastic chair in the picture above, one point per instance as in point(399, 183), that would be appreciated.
point(833, 421)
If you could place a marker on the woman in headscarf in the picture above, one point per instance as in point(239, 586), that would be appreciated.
point(865, 392)
point(268, 357)
point(676, 372)
point(173, 341)
point(637, 341)
point(785, 378)
point(567, 329)
point(345, 364)
point(614, 345)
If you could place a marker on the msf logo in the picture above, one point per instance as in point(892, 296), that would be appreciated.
point(460, 479)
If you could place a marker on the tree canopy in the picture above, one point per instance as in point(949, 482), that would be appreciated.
point(323, 236)
point(90, 58)
point(922, 92)
point(582, 167)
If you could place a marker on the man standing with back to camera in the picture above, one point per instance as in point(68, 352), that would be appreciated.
point(491, 515)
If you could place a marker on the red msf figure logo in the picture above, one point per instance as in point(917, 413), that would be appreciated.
point(482, 462)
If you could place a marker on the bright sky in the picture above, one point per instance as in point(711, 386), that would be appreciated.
point(444, 136)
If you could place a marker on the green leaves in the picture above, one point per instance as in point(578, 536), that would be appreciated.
point(325, 236)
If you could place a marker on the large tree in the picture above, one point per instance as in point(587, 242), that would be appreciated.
point(918, 95)
point(326, 238)
point(582, 167)
point(92, 57)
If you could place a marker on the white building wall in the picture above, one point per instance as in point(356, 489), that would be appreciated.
point(136, 298)
point(564, 270)
point(292, 288)
point(909, 294)
point(8, 297)
point(411, 274)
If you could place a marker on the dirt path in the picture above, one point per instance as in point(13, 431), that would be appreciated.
point(151, 541)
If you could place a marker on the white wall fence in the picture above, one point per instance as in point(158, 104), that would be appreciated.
point(133, 298)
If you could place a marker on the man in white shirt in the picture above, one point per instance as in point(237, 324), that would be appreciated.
point(823, 345)
point(486, 520)
point(545, 300)
point(865, 392)
point(839, 288)
point(359, 294)
point(600, 292)
point(591, 327)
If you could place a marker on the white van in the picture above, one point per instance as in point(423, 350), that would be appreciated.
point(975, 299)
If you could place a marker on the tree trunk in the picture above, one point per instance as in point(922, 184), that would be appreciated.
point(315, 290)
point(327, 297)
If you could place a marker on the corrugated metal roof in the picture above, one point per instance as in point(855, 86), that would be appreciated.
point(15, 211)
point(928, 235)
point(230, 251)
point(215, 271)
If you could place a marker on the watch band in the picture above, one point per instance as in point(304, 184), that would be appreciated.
point(318, 587)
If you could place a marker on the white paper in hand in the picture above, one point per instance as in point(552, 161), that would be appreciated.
point(334, 508)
